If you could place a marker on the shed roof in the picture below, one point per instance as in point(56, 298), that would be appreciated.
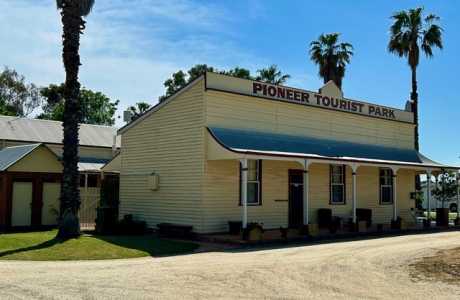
point(9, 156)
point(46, 131)
point(264, 143)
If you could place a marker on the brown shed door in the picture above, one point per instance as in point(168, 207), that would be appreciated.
point(295, 198)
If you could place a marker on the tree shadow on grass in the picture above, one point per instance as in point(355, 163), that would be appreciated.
point(44, 245)
point(150, 244)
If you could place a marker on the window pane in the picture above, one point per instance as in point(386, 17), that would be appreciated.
point(252, 170)
point(336, 170)
point(253, 193)
point(337, 194)
point(385, 181)
point(387, 194)
point(337, 179)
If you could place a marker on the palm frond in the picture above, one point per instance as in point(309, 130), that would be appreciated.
point(416, 18)
point(431, 18)
point(432, 37)
point(84, 6)
point(401, 20)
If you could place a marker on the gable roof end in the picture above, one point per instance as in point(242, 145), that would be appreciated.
point(159, 105)
point(11, 155)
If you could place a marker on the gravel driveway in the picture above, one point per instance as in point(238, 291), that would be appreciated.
point(366, 269)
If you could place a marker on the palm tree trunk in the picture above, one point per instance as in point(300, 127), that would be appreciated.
point(69, 225)
point(414, 98)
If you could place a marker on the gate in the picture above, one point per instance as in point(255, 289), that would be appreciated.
point(90, 197)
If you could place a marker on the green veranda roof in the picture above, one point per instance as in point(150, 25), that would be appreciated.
point(265, 143)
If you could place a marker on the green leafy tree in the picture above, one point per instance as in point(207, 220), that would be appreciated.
point(272, 75)
point(239, 73)
point(72, 17)
point(410, 33)
point(139, 109)
point(198, 70)
point(17, 98)
point(96, 108)
point(177, 81)
point(446, 187)
point(331, 57)
point(180, 79)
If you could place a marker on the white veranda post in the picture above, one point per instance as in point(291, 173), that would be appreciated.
point(306, 210)
point(244, 192)
point(395, 194)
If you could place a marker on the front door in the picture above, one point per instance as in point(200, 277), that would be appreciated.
point(21, 212)
point(295, 198)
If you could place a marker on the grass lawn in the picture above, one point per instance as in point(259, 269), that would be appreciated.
point(44, 246)
point(452, 216)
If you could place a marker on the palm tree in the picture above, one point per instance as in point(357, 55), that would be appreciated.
point(72, 13)
point(410, 32)
point(331, 57)
point(272, 75)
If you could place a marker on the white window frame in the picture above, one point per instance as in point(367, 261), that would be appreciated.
point(332, 184)
point(257, 182)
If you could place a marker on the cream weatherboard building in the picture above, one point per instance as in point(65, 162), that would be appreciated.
point(228, 149)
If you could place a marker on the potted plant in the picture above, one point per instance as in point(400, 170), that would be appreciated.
point(235, 227)
point(253, 232)
point(335, 225)
point(446, 189)
point(396, 224)
point(427, 221)
point(284, 233)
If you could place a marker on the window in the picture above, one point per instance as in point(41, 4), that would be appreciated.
point(386, 186)
point(92, 180)
point(254, 187)
point(337, 184)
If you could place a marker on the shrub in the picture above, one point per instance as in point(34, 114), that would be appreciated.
point(130, 226)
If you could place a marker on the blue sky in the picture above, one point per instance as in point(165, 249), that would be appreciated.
point(131, 47)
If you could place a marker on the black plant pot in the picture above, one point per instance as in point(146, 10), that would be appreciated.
point(442, 217)
point(235, 227)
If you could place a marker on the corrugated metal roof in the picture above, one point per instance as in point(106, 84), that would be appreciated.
point(245, 141)
point(9, 156)
point(45, 131)
point(89, 167)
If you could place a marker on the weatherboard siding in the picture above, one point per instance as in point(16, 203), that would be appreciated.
point(221, 194)
point(169, 142)
point(244, 112)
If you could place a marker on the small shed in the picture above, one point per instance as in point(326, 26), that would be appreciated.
point(30, 182)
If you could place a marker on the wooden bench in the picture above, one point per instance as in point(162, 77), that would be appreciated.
point(175, 230)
